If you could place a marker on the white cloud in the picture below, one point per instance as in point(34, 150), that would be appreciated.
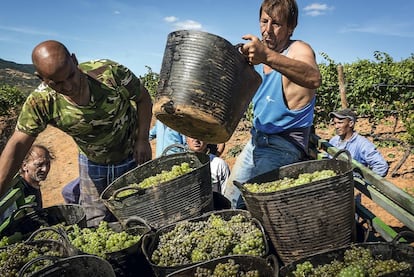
point(316, 9)
point(117, 12)
point(170, 19)
point(183, 24)
point(188, 25)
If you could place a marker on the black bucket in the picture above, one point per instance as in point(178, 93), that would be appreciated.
point(151, 240)
point(187, 196)
point(34, 218)
point(266, 267)
point(205, 86)
point(309, 218)
point(399, 252)
point(79, 266)
point(61, 247)
point(129, 261)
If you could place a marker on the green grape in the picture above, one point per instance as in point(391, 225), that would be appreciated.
point(165, 176)
point(286, 183)
point(352, 271)
point(4, 241)
point(15, 256)
point(190, 242)
point(101, 240)
point(225, 269)
point(357, 261)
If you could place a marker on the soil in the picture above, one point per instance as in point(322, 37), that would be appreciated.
point(65, 165)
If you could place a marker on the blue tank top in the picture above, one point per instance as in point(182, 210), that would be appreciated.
point(271, 115)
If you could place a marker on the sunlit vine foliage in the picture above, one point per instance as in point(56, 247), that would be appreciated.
point(374, 89)
point(11, 99)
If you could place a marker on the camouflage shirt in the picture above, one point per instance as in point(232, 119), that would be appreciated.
point(104, 129)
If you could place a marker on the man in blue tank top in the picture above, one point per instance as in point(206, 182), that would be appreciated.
point(284, 103)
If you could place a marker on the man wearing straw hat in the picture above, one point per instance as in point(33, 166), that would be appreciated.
point(283, 105)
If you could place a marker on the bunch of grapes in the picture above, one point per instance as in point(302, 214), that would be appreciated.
point(165, 176)
point(4, 241)
point(228, 269)
point(45, 232)
point(15, 256)
point(357, 261)
point(101, 240)
point(190, 242)
point(286, 183)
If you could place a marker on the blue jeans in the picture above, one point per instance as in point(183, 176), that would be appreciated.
point(261, 154)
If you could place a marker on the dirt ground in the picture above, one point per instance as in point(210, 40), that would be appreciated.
point(65, 165)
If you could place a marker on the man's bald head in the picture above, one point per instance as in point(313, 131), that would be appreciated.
point(49, 57)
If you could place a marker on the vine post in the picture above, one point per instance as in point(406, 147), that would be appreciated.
point(342, 86)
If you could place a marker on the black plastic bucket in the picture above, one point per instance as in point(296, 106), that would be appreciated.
point(309, 218)
point(400, 252)
point(79, 266)
point(129, 261)
point(266, 267)
point(151, 240)
point(187, 196)
point(34, 218)
point(205, 86)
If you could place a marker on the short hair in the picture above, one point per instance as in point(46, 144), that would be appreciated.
point(29, 154)
point(288, 10)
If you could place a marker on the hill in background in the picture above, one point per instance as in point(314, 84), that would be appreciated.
point(18, 75)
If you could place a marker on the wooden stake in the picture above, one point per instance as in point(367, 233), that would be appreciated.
point(342, 86)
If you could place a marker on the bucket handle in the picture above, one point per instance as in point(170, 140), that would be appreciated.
point(259, 225)
point(25, 208)
point(274, 264)
point(62, 234)
point(178, 145)
point(22, 271)
point(238, 46)
point(148, 241)
point(347, 154)
point(240, 186)
point(139, 191)
point(137, 219)
point(400, 235)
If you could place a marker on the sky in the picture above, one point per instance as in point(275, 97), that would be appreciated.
point(134, 32)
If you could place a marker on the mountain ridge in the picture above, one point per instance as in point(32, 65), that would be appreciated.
point(18, 75)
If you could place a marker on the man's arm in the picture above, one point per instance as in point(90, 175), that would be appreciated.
point(142, 148)
point(374, 159)
point(12, 157)
point(299, 66)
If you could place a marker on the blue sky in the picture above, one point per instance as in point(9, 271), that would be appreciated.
point(134, 32)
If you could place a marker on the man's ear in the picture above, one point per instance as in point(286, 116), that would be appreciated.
point(74, 59)
point(38, 75)
point(351, 123)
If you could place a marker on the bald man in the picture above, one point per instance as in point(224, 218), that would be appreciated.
point(101, 104)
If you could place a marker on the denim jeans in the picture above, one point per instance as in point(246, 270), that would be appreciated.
point(261, 154)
